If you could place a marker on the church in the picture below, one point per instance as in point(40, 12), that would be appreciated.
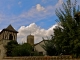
point(9, 33)
point(6, 35)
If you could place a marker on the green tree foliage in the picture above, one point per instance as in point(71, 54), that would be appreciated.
point(66, 36)
point(50, 48)
point(9, 47)
point(22, 50)
point(15, 49)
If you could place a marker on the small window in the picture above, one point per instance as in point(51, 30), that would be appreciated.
point(10, 37)
point(40, 53)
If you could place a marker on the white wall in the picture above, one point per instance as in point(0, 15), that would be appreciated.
point(39, 48)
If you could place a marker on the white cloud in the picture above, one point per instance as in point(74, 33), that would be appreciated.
point(35, 14)
point(59, 3)
point(0, 30)
point(39, 7)
point(39, 12)
point(35, 30)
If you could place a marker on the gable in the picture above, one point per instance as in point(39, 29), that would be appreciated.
point(10, 28)
point(8, 33)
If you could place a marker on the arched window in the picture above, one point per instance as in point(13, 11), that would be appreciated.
point(10, 37)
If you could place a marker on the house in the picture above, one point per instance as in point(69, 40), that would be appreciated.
point(38, 47)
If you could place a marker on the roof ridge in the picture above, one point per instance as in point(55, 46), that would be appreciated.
point(10, 28)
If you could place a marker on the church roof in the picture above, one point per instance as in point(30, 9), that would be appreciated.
point(10, 28)
point(41, 42)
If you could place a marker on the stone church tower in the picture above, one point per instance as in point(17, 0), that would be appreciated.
point(6, 35)
point(30, 39)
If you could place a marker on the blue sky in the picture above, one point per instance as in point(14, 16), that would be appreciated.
point(11, 12)
point(35, 16)
point(24, 12)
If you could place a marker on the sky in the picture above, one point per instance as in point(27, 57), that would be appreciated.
point(36, 17)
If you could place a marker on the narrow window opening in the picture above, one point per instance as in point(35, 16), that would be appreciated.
point(10, 37)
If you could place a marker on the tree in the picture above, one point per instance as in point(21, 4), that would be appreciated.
point(49, 48)
point(22, 50)
point(9, 47)
point(15, 49)
point(66, 37)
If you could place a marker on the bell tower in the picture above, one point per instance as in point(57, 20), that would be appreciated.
point(8, 33)
point(30, 39)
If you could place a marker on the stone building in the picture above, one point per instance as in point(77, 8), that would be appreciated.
point(38, 46)
point(6, 35)
point(30, 39)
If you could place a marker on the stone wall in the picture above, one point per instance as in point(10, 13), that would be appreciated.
point(40, 58)
point(3, 43)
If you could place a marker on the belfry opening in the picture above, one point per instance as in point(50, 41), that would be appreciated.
point(10, 37)
point(8, 33)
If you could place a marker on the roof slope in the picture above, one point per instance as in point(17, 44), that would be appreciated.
point(41, 42)
point(10, 28)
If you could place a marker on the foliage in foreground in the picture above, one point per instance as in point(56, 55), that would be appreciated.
point(15, 49)
point(66, 36)
point(25, 49)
